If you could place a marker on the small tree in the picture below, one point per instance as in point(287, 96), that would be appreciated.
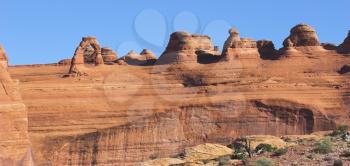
point(340, 130)
point(280, 151)
point(265, 148)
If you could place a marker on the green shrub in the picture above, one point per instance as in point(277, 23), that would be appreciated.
point(324, 146)
point(338, 162)
point(340, 130)
point(239, 154)
point(280, 151)
point(263, 162)
point(153, 156)
point(265, 148)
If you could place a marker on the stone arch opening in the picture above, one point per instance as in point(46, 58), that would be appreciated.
point(79, 57)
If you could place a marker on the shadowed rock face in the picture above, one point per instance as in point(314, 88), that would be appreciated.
point(267, 50)
point(301, 35)
point(345, 46)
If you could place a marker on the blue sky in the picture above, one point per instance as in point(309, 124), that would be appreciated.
point(42, 31)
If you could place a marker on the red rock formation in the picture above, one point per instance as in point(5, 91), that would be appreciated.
point(182, 48)
point(345, 46)
point(65, 62)
point(242, 49)
point(301, 35)
point(267, 50)
point(78, 58)
point(108, 54)
point(3, 57)
point(120, 115)
point(14, 141)
point(145, 58)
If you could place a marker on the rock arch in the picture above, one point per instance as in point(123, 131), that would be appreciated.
point(78, 58)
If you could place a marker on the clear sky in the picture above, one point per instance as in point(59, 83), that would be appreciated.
point(45, 31)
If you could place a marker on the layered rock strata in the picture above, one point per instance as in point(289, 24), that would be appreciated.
point(14, 141)
point(108, 54)
point(124, 114)
point(301, 35)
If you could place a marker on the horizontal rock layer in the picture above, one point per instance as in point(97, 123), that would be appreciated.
point(127, 114)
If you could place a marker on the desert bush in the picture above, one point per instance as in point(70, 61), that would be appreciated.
point(338, 162)
point(153, 156)
point(280, 151)
point(265, 148)
point(239, 154)
point(324, 146)
point(263, 162)
point(340, 130)
point(242, 148)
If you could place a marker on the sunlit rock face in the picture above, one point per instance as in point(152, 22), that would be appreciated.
point(302, 35)
point(14, 141)
point(183, 47)
point(124, 114)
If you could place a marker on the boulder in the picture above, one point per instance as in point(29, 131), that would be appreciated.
point(301, 35)
point(3, 57)
point(205, 152)
point(108, 54)
point(182, 48)
point(345, 46)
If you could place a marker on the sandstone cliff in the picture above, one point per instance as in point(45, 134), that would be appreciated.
point(14, 141)
point(124, 114)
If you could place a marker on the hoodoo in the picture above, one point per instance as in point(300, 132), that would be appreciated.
point(241, 48)
point(184, 48)
point(302, 35)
